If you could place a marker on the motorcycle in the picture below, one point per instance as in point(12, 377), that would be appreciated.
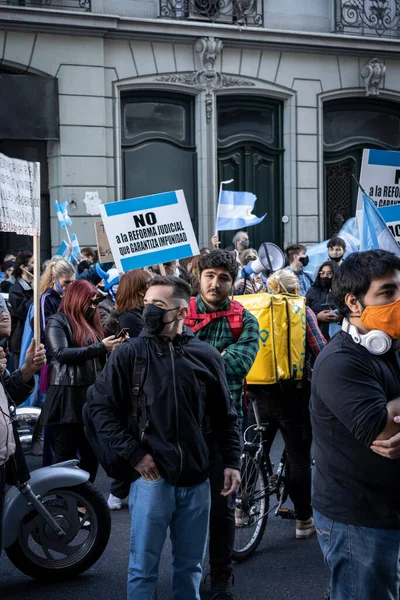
point(57, 524)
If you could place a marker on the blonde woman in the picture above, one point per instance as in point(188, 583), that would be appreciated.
point(285, 406)
point(57, 277)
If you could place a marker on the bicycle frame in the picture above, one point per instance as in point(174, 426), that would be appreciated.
point(264, 437)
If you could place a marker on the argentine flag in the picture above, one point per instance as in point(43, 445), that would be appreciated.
point(235, 211)
point(76, 251)
point(374, 232)
point(62, 214)
point(63, 249)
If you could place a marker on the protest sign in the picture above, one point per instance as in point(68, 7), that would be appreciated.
point(103, 245)
point(380, 178)
point(149, 230)
point(391, 216)
point(20, 212)
point(19, 196)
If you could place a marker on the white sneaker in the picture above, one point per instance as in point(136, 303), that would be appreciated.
point(114, 503)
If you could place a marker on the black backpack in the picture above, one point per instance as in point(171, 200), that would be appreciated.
point(115, 465)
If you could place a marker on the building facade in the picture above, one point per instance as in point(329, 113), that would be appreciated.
point(123, 98)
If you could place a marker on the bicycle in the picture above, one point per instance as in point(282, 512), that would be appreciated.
point(259, 483)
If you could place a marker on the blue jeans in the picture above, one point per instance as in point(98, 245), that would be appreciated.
point(156, 506)
point(364, 561)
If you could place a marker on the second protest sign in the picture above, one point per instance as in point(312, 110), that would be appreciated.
point(149, 230)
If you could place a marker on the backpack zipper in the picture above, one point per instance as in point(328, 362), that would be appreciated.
point(171, 349)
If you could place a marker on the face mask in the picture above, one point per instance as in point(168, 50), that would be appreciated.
point(153, 318)
point(304, 260)
point(57, 287)
point(326, 283)
point(384, 318)
point(245, 244)
point(336, 258)
point(89, 313)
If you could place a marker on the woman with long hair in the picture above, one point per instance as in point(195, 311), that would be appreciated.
point(57, 277)
point(286, 406)
point(320, 299)
point(129, 300)
point(55, 281)
point(78, 353)
point(20, 299)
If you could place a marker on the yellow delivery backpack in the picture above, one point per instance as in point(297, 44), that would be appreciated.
point(282, 352)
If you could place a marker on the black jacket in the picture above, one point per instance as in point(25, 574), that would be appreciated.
point(315, 298)
point(71, 365)
point(19, 300)
point(109, 317)
point(184, 388)
point(131, 320)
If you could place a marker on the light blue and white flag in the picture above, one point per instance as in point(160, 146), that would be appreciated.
point(76, 251)
point(62, 214)
point(374, 232)
point(235, 211)
point(63, 249)
point(350, 234)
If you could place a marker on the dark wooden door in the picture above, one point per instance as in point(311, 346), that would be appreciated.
point(341, 190)
point(254, 169)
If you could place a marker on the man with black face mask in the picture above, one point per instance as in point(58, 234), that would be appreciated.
point(298, 260)
point(183, 392)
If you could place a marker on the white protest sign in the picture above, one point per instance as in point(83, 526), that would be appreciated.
point(391, 215)
point(19, 196)
point(380, 178)
point(149, 230)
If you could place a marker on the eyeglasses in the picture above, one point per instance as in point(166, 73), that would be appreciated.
point(95, 302)
point(326, 273)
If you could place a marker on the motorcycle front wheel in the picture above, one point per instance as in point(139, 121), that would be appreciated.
point(82, 513)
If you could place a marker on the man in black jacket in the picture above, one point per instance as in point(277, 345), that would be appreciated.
point(184, 393)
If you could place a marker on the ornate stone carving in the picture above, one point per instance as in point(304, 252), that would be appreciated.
point(206, 78)
point(373, 74)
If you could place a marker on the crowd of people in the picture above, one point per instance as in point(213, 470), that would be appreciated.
point(160, 357)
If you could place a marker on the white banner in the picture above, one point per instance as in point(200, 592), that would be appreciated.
point(150, 230)
point(380, 178)
point(19, 196)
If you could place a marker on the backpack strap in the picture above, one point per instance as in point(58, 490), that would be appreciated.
point(234, 316)
point(137, 376)
point(235, 319)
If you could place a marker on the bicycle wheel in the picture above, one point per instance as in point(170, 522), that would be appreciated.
point(252, 504)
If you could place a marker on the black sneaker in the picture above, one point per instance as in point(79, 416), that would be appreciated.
point(221, 587)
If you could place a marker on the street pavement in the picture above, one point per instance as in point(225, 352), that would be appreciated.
point(281, 569)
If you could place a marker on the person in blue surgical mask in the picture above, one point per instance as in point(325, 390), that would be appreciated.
point(57, 277)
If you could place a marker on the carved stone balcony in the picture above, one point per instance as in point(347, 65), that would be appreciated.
point(77, 5)
point(241, 12)
point(368, 17)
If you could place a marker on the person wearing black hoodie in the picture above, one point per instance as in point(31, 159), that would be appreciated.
point(319, 297)
point(183, 394)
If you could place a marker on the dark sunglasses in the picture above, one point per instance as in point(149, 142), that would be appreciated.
point(95, 302)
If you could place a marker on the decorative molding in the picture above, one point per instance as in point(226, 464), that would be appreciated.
point(207, 78)
point(373, 74)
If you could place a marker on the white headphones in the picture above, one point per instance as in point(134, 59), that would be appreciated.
point(375, 341)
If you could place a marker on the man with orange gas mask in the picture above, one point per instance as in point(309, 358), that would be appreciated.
point(354, 411)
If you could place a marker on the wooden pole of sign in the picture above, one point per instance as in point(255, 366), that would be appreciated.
point(162, 270)
point(36, 286)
